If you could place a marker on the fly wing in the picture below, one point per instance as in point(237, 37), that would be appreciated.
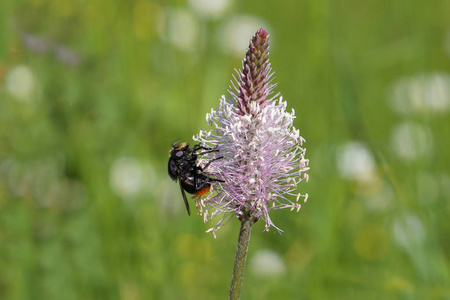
point(184, 197)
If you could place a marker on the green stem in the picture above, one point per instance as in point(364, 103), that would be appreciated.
point(241, 256)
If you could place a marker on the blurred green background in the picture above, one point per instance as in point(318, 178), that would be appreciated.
point(93, 93)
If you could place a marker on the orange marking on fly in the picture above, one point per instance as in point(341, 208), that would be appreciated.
point(202, 192)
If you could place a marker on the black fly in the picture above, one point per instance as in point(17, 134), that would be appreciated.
point(183, 167)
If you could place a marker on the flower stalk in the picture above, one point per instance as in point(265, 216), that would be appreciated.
point(241, 257)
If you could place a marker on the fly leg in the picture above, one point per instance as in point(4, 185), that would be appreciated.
point(207, 150)
point(207, 165)
point(200, 170)
point(198, 147)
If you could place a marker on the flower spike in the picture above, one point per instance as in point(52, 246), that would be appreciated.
point(263, 154)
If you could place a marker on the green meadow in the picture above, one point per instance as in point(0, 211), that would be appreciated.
point(94, 93)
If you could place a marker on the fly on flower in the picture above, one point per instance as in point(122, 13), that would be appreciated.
point(184, 168)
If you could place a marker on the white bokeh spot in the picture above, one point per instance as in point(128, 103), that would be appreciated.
point(411, 140)
point(20, 83)
point(235, 32)
point(355, 162)
point(267, 263)
point(421, 94)
point(210, 8)
point(127, 177)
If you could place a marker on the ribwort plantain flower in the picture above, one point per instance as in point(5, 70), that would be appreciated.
point(263, 157)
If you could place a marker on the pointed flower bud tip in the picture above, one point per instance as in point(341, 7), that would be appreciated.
point(253, 81)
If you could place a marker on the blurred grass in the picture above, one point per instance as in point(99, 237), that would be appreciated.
point(116, 79)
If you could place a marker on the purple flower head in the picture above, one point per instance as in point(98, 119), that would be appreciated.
point(263, 158)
